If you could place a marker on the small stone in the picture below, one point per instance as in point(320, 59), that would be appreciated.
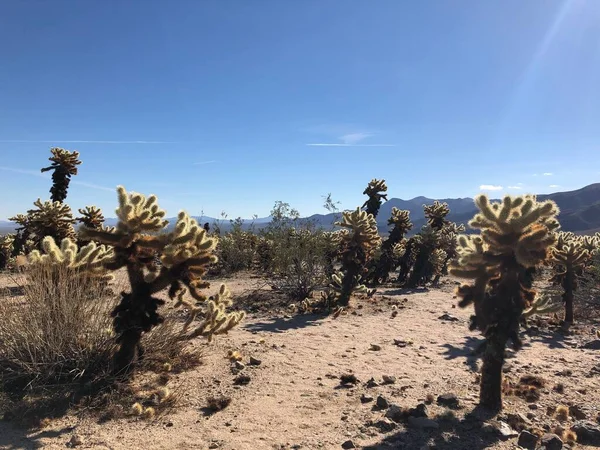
point(576, 412)
point(239, 365)
point(551, 441)
point(255, 361)
point(449, 400)
point(533, 406)
point(588, 433)
point(375, 347)
point(348, 444)
point(169, 424)
point(419, 411)
point(382, 403)
point(422, 422)
point(385, 425)
point(592, 345)
point(388, 379)
point(75, 441)
point(395, 413)
point(366, 398)
point(371, 383)
point(527, 440)
point(213, 445)
point(448, 318)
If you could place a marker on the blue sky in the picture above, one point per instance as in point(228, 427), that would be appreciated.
point(214, 105)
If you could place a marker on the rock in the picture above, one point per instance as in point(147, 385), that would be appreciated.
point(499, 427)
point(448, 318)
point(388, 379)
point(527, 440)
point(366, 398)
point(533, 406)
point(588, 433)
point(419, 411)
point(382, 403)
point(375, 347)
point(551, 441)
point(401, 343)
point(385, 425)
point(422, 422)
point(576, 412)
point(592, 345)
point(239, 365)
point(449, 400)
point(395, 413)
point(517, 421)
point(75, 441)
point(348, 444)
point(255, 361)
point(371, 383)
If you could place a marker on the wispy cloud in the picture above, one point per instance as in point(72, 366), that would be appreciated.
point(34, 173)
point(515, 187)
point(554, 185)
point(55, 141)
point(354, 138)
point(547, 174)
point(201, 163)
point(350, 145)
point(490, 187)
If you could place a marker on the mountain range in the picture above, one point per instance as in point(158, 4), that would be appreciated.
point(579, 212)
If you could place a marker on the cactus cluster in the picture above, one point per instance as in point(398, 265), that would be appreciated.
point(91, 217)
point(514, 235)
point(185, 255)
point(6, 250)
point(569, 256)
point(64, 165)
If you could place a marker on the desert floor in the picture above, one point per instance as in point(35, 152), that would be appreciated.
point(294, 399)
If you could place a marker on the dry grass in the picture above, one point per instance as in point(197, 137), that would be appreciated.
point(57, 345)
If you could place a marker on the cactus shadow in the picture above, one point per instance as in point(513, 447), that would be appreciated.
point(406, 291)
point(468, 351)
point(554, 339)
point(282, 324)
point(453, 433)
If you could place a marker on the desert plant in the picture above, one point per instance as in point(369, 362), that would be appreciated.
point(91, 217)
point(515, 234)
point(375, 190)
point(424, 244)
point(570, 255)
point(185, 255)
point(541, 305)
point(64, 165)
point(6, 249)
point(359, 241)
point(400, 220)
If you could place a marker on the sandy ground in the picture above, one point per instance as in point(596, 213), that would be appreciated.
point(294, 399)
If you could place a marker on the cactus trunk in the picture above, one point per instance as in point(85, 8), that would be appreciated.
point(490, 394)
point(568, 296)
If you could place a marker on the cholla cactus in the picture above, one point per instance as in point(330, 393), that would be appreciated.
point(6, 249)
point(374, 190)
point(570, 255)
point(542, 305)
point(422, 246)
point(390, 254)
point(52, 219)
point(185, 254)
point(359, 241)
point(91, 217)
point(436, 214)
point(64, 165)
point(515, 235)
point(437, 259)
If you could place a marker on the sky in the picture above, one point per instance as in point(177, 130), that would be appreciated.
point(230, 105)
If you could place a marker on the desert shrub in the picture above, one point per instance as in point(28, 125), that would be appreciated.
point(236, 250)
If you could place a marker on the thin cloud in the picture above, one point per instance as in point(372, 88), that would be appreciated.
point(19, 141)
point(354, 138)
point(547, 174)
point(490, 187)
point(515, 187)
point(33, 173)
point(201, 163)
point(350, 145)
point(554, 185)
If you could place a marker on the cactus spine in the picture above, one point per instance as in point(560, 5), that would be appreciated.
point(514, 235)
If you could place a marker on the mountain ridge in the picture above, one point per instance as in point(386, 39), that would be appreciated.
point(579, 212)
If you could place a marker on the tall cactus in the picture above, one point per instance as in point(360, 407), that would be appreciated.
point(359, 241)
point(400, 219)
point(185, 255)
point(515, 235)
point(6, 249)
point(64, 165)
point(375, 190)
point(570, 254)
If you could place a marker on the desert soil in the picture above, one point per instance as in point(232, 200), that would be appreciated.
point(294, 399)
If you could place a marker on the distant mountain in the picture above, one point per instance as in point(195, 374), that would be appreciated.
point(579, 212)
